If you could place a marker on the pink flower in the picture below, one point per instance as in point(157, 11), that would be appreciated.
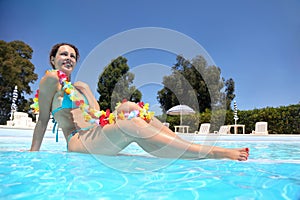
point(62, 76)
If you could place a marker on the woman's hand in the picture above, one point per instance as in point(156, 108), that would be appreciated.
point(81, 85)
point(86, 91)
point(128, 106)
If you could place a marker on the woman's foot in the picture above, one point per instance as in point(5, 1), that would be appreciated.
point(240, 154)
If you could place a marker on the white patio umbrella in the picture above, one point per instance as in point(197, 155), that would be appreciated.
point(180, 110)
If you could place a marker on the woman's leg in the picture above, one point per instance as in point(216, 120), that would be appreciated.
point(153, 137)
point(106, 141)
point(161, 143)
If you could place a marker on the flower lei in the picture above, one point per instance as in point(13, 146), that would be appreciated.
point(91, 115)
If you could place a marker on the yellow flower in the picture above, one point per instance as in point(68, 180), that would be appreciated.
point(118, 105)
point(146, 106)
point(102, 112)
point(111, 118)
point(68, 91)
point(72, 98)
point(143, 113)
point(150, 115)
point(87, 117)
point(121, 116)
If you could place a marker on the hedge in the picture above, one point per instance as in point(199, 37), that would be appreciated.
point(281, 120)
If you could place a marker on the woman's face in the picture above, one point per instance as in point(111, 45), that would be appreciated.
point(65, 59)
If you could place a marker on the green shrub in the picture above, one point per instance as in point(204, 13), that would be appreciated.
point(281, 120)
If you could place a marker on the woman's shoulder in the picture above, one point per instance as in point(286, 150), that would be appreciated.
point(49, 80)
point(50, 77)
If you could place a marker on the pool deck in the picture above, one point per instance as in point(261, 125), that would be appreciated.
point(241, 137)
point(27, 132)
point(24, 132)
point(19, 128)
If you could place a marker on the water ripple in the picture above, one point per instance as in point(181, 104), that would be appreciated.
point(270, 173)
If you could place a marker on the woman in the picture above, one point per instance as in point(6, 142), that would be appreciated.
point(84, 136)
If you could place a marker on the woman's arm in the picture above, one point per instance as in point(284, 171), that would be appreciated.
point(86, 91)
point(47, 89)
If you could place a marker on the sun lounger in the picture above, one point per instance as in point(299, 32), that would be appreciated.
point(223, 130)
point(204, 129)
point(261, 128)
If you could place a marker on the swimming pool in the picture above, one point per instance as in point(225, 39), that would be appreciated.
point(272, 171)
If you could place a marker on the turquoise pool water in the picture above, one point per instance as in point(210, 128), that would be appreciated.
point(272, 172)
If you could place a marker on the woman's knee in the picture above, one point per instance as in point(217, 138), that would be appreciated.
point(128, 106)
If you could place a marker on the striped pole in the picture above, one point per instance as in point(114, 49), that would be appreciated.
point(14, 106)
point(235, 110)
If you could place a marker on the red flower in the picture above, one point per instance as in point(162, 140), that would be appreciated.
point(62, 76)
point(78, 103)
point(124, 100)
point(107, 112)
point(141, 104)
point(103, 120)
point(37, 94)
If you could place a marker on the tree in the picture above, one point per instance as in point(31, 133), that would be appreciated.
point(15, 69)
point(229, 93)
point(193, 83)
point(114, 84)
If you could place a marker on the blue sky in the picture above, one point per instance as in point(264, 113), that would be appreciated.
point(254, 42)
